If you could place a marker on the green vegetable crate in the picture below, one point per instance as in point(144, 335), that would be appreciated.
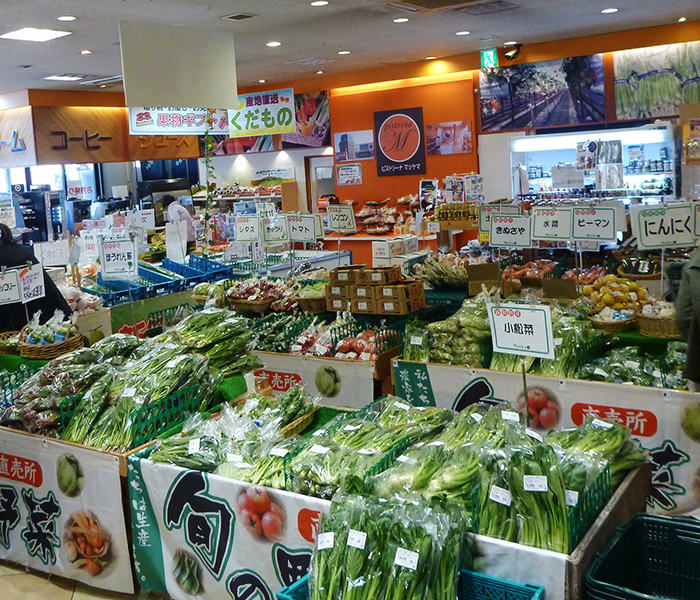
point(10, 382)
point(472, 586)
point(649, 556)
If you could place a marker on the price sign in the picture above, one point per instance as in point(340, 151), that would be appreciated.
point(302, 228)
point(7, 216)
point(522, 330)
point(31, 283)
point(662, 226)
point(231, 227)
point(275, 229)
point(487, 211)
point(145, 219)
point(594, 224)
point(511, 232)
point(341, 217)
point(52, 254)
point(90, 224)
point(9, 287)
point(551, 224)
point(89, 246)
point(320, 229)
point(433, 227)
point(265, 210)
point(118, 259)
point(247, 229)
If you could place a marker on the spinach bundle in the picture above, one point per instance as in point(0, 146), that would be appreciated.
point(408, 562)
point(88, 409)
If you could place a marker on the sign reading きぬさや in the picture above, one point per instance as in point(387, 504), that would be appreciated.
point(263, 113)
point(401, 142)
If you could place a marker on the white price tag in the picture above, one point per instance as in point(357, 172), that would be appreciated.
point(535, 483)
point(318, 449)
point(193, 446)
point(376, 276)
point(247, 229)
point(598, 371)
point(9, 287)
point(603, 424)
point(406, 558)
point(362, 292)
point(336, 290)
point(402, 405)
point(509, 415)
point(571, 497)
point(295, 348)
point(352, 427)
point(533, 434)
point(498, 494)
point(477, 417)
point(326, 540)
point(388, 306)
point(402, 459)
point(129, 392)
point(234, 458)
point(242, 465)
point(416, 340)
point(433, 227)
point(357, 539)
point(365, 356)
point(366, 451)
point(438, 443)
point(281, 452)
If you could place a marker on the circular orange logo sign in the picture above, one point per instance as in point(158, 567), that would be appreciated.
point(399, 138)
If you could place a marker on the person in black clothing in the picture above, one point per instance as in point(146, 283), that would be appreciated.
point(12, 316)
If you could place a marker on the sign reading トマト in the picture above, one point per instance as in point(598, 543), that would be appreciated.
point(522, 330)
point(302, 228)
point(263, 113)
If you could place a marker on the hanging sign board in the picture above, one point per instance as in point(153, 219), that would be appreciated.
point(263, 113)
point(594, 224)
point(511, 232)
point(9, 287)
point(89, 246)
point(31, 283)
point(52, 254)
point(302, 228)
point(149, 120)
point(265, 210)
point(118, 259)
point(551, 224)
point(522, 330)
point(7, 216)
point(247, 229)
point(341, 217)
point(275, 230)
point(142, 218)
point(660, 226)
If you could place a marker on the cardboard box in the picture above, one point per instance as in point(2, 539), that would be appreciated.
point(382, 262)
point(401, 291)
point(379, 275)
point(366, 306)
point(410, 244)
point(363, 292)
point(387, 248)
point(395, 306)
point(560, 288)
point(337, 290)
point(507, 287)
point(334, 304)
point(346, 274)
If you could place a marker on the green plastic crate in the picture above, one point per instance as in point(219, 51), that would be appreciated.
point(11, 382)
point(649, 556)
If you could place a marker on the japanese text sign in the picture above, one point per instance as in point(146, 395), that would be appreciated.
point(551, 224)
point(265, 210)
point(400, 141)
point(275, 229)
point(511, 232)
point(145, 219)
point(522, 330)
point(663, 226)
point(148, 120)
point(594, 224)
point(302, 228)
point(31, 283)
point(263, 113)
point(7, 216)
point(89, 246)
point(341, 217)
point(489, 210)
point(9, 287)
point(74, 255)
point(247, 229)
point(119, 259)
point(52, 254)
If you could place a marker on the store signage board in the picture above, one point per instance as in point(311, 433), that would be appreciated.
point(149, 120)
point(522, 330)
point(595, 224)
point(302, 228)
point(663, 226)
point(341, 217)
point(511, 231)
point(263, 113)
point(275, 230)
point(52, 254)
point(9, 287)
point(551, 223)
point(31, 283)
point(567, 178)
point(488, 210)
point(265, 210)
point(142, 218)
point(247, 229)
point(118, 258)
point(489, 58)
point(285, 173)
point(350, 174)
point(7, 216)
point(89, 246)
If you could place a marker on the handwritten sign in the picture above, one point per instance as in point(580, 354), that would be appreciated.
point(594, 224)
point(7, 216)
point(266, 210)
point(275, 229)
point(247, 229)
point(551, 224)
point(522, 330)
point(145, 219)
point(302, 228)
point(31, 283)
point(659, 226)
point(341, 217)
point(511, 232)
point(88, 244)
point(119, 259)
point(52, 254)
point(9, 287)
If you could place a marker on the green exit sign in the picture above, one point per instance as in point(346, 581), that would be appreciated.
point(489, 59)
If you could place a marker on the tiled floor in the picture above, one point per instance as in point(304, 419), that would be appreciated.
point(18, 583)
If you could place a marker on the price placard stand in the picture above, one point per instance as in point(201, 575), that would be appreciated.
point(128, 286)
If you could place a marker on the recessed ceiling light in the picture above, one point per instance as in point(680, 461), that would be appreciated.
point(608, 11)
point(66, 18)
point(31, 34)
point(344, 52)
point(64, 77)
point(463, 33)
point(682, 20)
point(319, 72)
point(430, 57)
point(510, 43)
point(274, 44)
point(401, 20)
point(319, 3)
point(103, 86)
point(86, 52)
point(261, 81)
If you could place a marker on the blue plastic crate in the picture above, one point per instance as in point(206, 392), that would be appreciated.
point(118, 291)
point(215, 270)
point(296, 591)
point(191, 276)
point(159, 284)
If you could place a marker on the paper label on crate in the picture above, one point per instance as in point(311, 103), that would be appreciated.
point(357, 539)
point(402, 405)
point(302, 339)
point(387, 293)
point(318, 449)
point(129, 392)
point(436, 443)
point(603, 424)
point(535, 483)
point(388, 306)
point(362, 305)
point(366, 451)
point(477, 417)
point(509, 415)
point(193, 446)
point(376, 276)
point(320, 432)
point(295, 348)
point(533, 434)
point(402, 459)
point(342, 276)
point(571, 497)
point(361, 292)
point(234, 458)
point(498, 494)
point(406, 558)
point(326, 540)
point(558, 341)
point(365, 356)
point(335, 290)
point(281, 452)
point(337, 303)
point(416, 340)
point(631, 364)
point(598, 371)
point(352, 427)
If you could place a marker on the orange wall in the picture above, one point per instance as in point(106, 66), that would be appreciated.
point(441, 102)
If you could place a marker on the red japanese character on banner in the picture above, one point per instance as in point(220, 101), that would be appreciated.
point(643, 423)
point(163, 120)
point(176, 120)
point(189, 119)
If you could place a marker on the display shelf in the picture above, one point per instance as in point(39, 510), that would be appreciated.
point(460, 225)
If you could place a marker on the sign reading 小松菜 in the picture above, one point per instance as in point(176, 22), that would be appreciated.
point(522, 330)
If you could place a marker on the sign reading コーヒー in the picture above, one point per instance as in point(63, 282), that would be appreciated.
point(263, 113)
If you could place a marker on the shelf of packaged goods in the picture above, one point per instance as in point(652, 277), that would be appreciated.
point(274, 197)
point(459, 225)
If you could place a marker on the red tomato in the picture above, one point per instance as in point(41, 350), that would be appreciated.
point(271, 525)
point(537, 399)
point(91, 567)
point(344, 346)
point(548, 418)
point(258, 500)
point(534, 419)
point(553, 405)
point(277, 509)
point(360, 346)
point(252, 523)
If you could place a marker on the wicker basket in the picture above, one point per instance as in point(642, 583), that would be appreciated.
point(621, 255)
point(660, 327)
point(199, 299)
point(626, 275)
point(258, 306)
point(614, 326)
point(73, 341)
point(4, 337)
point(313, 306)
point(299, 425)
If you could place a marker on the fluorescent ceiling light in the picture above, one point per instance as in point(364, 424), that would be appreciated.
point(64, 77)
point(273, 44)
point(319, 3)
point(463, 33)
point(536, 143)
point(401, 20)
point(31, 34)
point(261, 81)
point(344, 52)
point(66, 18)
point(510, 43)
point(608, 11)
point(430, 57)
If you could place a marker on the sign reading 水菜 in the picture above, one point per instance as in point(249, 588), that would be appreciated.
point(663, 226)
point(511, 231)
point(594, 224)
point(341, 217)
point(522, 330)
point(263, 113)
point(551, 223)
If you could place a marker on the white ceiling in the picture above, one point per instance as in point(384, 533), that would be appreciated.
point(308, 34)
